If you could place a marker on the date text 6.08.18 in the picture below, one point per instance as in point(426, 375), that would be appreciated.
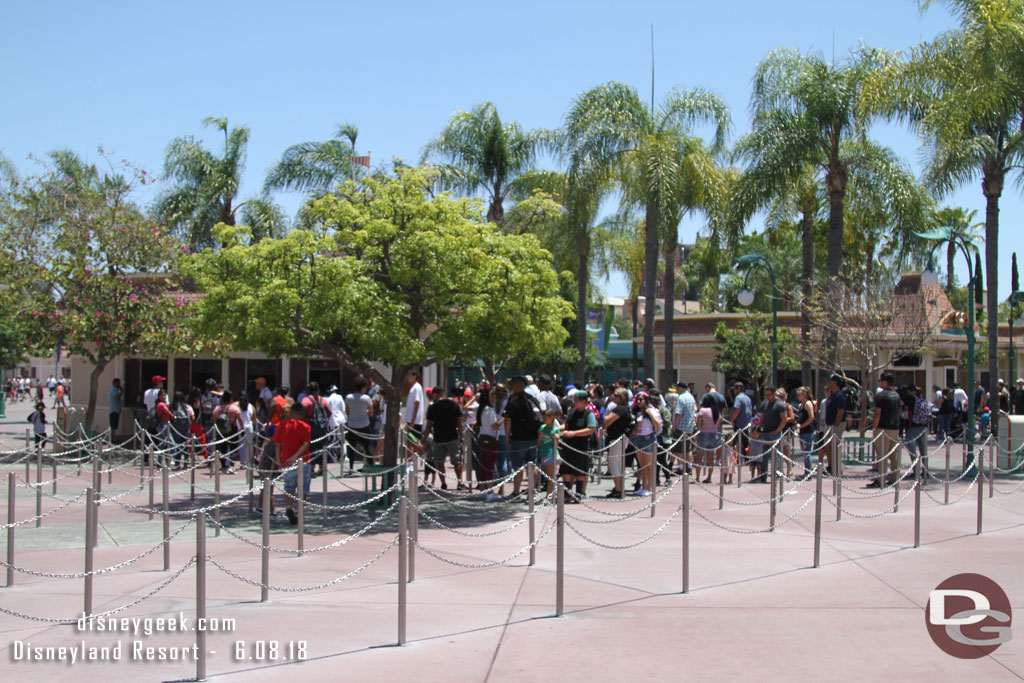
point(269, 650)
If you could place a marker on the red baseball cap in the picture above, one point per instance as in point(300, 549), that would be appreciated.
point(159, 378)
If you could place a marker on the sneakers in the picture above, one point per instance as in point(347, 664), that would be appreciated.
point(292, 517)
point(614, 494)
point(641, 493)
point(491, 496)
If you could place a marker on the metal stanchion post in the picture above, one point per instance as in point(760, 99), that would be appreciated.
point(110, 469)
point(95, 472)
point(216, 495)
point(324, 476)
point(99, 471)
point(250, 468)
point(772, 452)
point(151, 477)
point(403, 549)
point(686, 532)
point(300, 508)
point(531, 484)
point(980, 466)
point(165, 506)
point(10, 528)
point(414, 521)
point(918, 483)
point(90, 513)
point(192, 467)
point(837, 487)
point(946, 486)
point(992, 465)
point(897, 483)
point(201, 595)
point(721, 478)
point(28, 432)
point(53, 469)
point(560, 552)
point(142, 467)
point(654, 476)
point(817, 515)
point(28, 467)
point(265, 557)
point(39, 485)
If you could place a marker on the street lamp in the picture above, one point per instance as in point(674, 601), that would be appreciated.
point(746, 297)
point(1015, 310)
point(958, 241)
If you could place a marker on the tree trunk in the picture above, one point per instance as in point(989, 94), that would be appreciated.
point(94, 390)
point(583, 269)
point(670, 313)
point(636, 316)
point(392, 436)
point(834, 257)
point(950, 256)
point(806, 288)
point(650, 287)
point(993, 192)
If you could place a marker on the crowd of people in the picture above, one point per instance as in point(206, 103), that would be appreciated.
point(17, 389)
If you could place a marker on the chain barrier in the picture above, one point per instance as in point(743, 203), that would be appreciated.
point(106, 570)
point(43, 515)
point(756, 531)
point(631, 545)
point(307, 551)
point(543, 505)
point(305, 589)
point(73, 620)
point(486, 565)
point(892, 508)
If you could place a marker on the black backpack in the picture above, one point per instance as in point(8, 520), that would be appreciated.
point(318, 425)
point(209, 402)
point(152, 424)
point(181, 422)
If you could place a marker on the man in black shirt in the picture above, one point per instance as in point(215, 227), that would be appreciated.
point(887, 423)
point(444, 420)
point(835, 419)
point(522, 425)
point(773, 422)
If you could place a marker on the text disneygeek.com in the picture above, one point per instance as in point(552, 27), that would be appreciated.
point(135, 649)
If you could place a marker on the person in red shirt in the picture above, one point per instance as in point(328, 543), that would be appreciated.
point(291, 443)
point(164, 415)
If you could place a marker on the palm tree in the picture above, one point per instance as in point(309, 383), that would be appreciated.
point(575, 239)
point(609, 128)
point(315, 167)
point(799, 196)
point(205, 187)
point(483, 154)
point(959, 220)
point(964, 94)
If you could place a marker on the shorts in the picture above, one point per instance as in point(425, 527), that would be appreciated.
point(644, 442)
point(617, 457)
point(521, 452)
point(549, 461)
point(574, 463)
point(448, 449)
point(708, 441)
point(291, 478)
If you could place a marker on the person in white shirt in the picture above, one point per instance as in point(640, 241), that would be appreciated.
point(149, 398)
point(531, 388)
point(415, 404)
point(336, 422)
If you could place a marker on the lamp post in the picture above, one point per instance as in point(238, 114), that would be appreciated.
point(746, 298)
point(929, 277)
point(1015, 310)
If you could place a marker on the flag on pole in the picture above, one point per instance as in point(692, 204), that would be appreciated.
point(362, 161)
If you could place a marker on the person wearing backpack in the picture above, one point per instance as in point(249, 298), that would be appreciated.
point(227, 417)
point(181, 427)
point(208, 403)
point(318, 417)
point(523, 419)
point(919, 415)
point(618, 425)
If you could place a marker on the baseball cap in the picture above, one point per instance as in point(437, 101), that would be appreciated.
point(159, 378)
point(580, 394)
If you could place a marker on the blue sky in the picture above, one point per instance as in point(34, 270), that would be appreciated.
point(130, 76)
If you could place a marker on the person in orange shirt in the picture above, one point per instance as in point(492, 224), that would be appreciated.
point(291, 443)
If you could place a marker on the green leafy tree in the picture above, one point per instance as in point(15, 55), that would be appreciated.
point(609, 129)
point(205, 188)
point(390, 276)
point(480, 153)
point(88, 269)
point(964, 94)
point(959, 220)
point(745, 351)
point(805, 111)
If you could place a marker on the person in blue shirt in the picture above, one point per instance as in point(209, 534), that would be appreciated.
point(114, 400)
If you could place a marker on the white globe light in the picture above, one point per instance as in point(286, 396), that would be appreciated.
point(745, 297)
point(929, 278)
